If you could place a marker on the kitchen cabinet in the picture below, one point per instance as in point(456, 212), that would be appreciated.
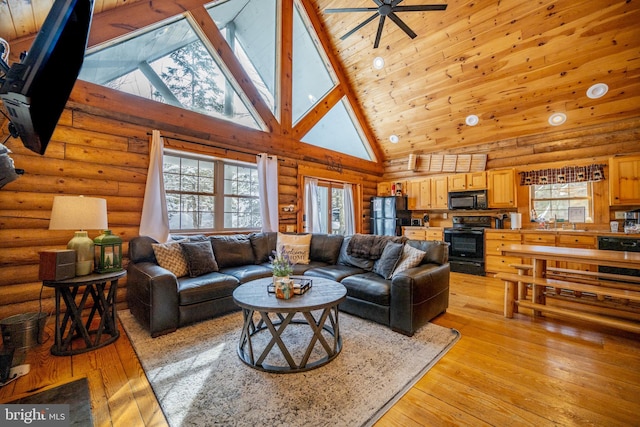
point(424, 199)
point(501, 185)
point(476, 180)
point(467, 181)
point(434, 234)
point(457, 182)
point(413, 195)
point(415, 233)
point(495, 241)
point(624, 181)
point(423, 233)
point(439, 192)
point(384, 189)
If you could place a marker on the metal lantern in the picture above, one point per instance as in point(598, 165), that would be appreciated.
point(108, 252)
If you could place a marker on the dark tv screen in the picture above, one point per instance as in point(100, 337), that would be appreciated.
point(36, 90)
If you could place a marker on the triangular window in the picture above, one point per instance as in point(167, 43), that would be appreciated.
point(251, 30)
point(168, 63)
point(337, 131)
point(313, 77)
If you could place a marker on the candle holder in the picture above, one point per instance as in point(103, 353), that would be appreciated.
point(108, 252)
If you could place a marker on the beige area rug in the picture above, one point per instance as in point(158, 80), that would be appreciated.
point(199, 379)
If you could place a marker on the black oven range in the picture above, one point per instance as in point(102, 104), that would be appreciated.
point(466, 243)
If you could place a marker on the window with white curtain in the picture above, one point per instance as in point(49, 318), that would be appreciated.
point(210, 194)
point(331, 210)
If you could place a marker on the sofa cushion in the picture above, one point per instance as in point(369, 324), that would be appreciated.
point(299, 269)
point(325, 247)
point(388, 260)
point(437, 252)
point(411, 257)
point(346, 259)
point(334, 272)
point(171, 257)
point(211, 286)
point(368, 287)
point(200, 258)
point(295, 246)
point(232, 251)
point(246, 273)
point(263, 245)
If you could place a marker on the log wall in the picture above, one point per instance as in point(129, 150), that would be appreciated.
point(103, 157)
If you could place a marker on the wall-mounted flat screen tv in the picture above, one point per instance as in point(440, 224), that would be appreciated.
point(35, 90)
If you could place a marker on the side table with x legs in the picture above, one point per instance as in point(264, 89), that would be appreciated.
point(74, 335)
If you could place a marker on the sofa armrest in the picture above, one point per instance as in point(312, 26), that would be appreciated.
point(152, 295)
point(417, 295)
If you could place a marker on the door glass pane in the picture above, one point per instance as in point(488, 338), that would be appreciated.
point(337, 211)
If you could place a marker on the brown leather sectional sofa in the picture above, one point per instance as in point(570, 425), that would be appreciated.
point(163, 302)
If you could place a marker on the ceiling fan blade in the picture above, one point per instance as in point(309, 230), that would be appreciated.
point(402, 25)
point(362, 24)
point(352, 9)
point(379, 33)
point(420, 8)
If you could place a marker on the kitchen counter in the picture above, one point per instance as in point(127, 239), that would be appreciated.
point(561, 231)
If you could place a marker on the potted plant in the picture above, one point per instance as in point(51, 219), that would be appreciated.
point(281, 265)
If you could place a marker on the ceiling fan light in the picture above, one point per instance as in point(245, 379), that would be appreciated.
point(472, 120)
point(556, 119)
point(394, 139)
point(378, 62)
point(598, 90)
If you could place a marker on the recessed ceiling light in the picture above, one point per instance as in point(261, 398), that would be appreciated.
point(598, 90)
point(394, 139)
point(378, 62)
point(472, 120)
point(556, 119)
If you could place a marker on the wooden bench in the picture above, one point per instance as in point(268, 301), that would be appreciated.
point(538, 303)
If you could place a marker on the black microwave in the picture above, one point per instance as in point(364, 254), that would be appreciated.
point(468, 200)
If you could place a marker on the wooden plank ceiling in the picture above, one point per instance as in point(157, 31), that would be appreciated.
point(510, 62)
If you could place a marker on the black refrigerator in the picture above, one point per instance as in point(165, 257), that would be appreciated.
point(388, 215)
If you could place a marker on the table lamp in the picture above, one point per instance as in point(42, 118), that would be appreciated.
point(79, 213)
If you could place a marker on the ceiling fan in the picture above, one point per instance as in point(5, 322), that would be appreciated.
point(387, 8)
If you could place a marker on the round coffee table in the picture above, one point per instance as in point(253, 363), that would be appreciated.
point(262, 311)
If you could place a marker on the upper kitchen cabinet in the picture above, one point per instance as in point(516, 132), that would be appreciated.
point(467, 181)
point(624, 181)
point(439, 192)
point(502, 188)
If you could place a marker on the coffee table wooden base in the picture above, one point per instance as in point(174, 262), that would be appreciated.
point(263, 322)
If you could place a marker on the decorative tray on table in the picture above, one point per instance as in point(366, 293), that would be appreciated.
point(300, 285)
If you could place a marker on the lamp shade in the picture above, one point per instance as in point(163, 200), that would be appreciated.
point(78, 213)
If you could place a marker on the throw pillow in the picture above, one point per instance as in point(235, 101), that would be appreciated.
point(388, 260)
point(296, 246)
point(200, 259)
point(411, 257)
point(171, 257)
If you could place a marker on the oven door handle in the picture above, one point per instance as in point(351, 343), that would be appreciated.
point(463, 232)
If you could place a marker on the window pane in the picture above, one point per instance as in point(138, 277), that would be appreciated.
point(251, 29)
point(337, 211)
point(552, 201)
point(169, 64)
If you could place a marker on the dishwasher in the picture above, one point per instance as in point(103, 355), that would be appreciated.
point(628, 244)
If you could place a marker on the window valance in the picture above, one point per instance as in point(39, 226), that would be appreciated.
point(563, 175)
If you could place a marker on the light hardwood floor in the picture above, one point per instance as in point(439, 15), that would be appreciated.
point(502, 372)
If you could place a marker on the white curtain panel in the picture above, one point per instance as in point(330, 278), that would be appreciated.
point(268, 183)
point(349, 211)
point(311, 207)
point(155, 219)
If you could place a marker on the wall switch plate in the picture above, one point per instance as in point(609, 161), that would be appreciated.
point(619, 215)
